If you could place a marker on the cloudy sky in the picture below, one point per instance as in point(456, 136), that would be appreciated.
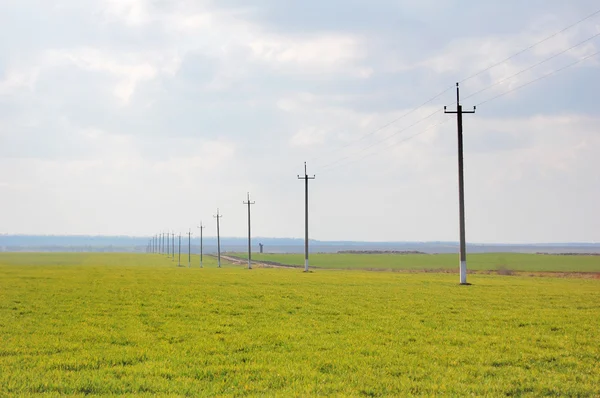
point(135, 116)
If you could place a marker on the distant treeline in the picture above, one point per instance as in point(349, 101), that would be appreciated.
point(568, 254)
point(380, 252)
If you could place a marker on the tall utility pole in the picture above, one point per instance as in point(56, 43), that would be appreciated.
point(249, 233)
point(201, 227)
point(218, 239)
point(189, 248)
point(179, 263)
point(173, 247)
point(461, 187)
point(306, 178)
point(168, 246)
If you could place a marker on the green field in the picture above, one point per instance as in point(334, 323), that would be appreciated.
point(477, 262)
point(107, 324)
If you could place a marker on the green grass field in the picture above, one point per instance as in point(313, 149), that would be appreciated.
point(107, 324)
point(477, 262)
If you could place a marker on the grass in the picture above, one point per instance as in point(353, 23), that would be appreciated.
point(78, 324)
point(477, 262)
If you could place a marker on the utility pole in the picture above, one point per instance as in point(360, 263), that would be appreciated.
point(218, 239)
point(179, 263)
point(173, 247)
point(201, 227)
point(249, 233)
point(306, 178)
point(189, 248)
point(168, 246)
point(461, 187)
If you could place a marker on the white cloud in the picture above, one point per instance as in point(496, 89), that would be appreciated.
point(123, 109)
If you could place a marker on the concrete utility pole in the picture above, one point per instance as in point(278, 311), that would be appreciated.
point(306, 178)
point(189, 248)
point(249, 233)
point(201, 227)
point(179, 262)
point(173, 246)
point(218, 239)
point(461, 187)
point(168, 246)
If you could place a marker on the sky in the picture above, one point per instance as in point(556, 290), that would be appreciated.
point(130, 117)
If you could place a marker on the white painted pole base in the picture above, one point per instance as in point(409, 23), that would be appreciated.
point(463, 272)
point(249, 265)
point(305, 265)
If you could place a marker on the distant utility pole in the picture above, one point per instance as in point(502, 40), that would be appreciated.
point(168, 245)
point(201, 227)
point(306, 178)
point(461, 187)
point(173, 247)
point(179, 263)
point(189, 248)
point(218, 239)
point(249, 233)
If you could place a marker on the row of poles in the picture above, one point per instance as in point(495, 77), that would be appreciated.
point(157, 242)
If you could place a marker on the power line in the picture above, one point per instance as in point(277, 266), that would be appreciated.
point(335, 162)
point(389, 123)
point(539, 78)
point(531, 46)
point(533, 66)
point(392, 145)
point(380, 141)
point(470, 77)
point(479, 104)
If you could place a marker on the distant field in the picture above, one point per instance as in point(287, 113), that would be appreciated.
point(105, 324)
point(480, 262)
